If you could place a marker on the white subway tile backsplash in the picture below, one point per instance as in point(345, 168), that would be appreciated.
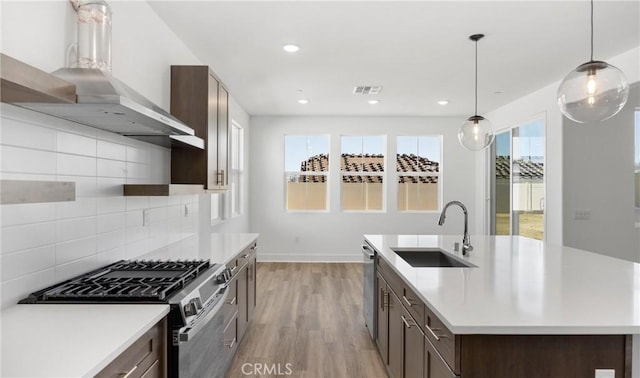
point(111, 256)
point(108, 205)
point(137, 203)
point(85, 185)
point(27, 261)
point(110, 150)
point(17, 133)
point(137, 171)
point(111, 240)
point(111, 222)
point(19, 288)
point(45, 243)
point(112, 168)
point(24, 160)
point(138, 154)
point(74, 165)
point(81, 207)
point(110, 187)
point(75, 249)
point(27, 236)
point(77, 267)
point(76, 144)
point(17, 214)
point(75, 228)
point(158, 202)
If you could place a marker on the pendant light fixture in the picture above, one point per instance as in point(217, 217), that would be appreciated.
point(477, 132)
point(594, 91)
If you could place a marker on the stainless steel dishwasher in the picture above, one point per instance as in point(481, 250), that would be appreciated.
point(368, 288)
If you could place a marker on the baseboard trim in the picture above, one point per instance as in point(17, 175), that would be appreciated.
point(311, 258)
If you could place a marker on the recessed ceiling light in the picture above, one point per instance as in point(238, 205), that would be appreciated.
point(303, 101)
point(291, 48)
point(373, 102)
point(443, 102)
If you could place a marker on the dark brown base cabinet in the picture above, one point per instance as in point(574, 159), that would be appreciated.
point(241, 301)
point(414, 342)
point(146, 358)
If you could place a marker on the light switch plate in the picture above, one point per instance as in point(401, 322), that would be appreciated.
point(605, 373)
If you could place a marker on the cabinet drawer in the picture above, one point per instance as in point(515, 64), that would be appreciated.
point(233, 266)
point(231, 338)
point(141, 357)
point(446, 343)
point(414, 304)
point(246, 255)
point(230, 306)
point(395, 282)
point(434, 365)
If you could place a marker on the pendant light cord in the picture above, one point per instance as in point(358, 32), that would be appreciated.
point(476, 78)
point(592, 30)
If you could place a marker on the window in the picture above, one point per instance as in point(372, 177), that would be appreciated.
point(362, 172)
point(215, 208)
point(306, 160)
point(418, 166)
point(237, 167)
point(518, 181)
point(637, 164)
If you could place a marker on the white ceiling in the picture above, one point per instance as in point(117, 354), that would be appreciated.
point(418, 51)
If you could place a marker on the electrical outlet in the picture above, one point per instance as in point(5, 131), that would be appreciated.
point(145, 218)
point(605, 373)
point(582, 214)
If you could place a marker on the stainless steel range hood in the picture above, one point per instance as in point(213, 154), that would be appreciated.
point(106, 103)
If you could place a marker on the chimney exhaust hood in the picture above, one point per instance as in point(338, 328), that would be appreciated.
point(103, 101)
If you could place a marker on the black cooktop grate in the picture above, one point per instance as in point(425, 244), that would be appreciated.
point(124, 281)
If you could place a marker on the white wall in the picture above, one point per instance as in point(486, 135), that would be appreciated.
point(599, 167)
point(42, 244)
point(336, 235)
point(543, 103)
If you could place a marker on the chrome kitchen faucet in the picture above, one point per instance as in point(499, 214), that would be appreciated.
point(466, 242)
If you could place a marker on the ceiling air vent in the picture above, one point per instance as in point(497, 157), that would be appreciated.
point(367, 89)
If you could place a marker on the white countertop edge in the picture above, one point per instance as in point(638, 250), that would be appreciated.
point(543, 330)
point(251, 238)
point(514, 329)
point(135, 336)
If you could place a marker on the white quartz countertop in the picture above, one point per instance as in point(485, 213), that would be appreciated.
point(70, 340)
point(522, 286)
point(218, 248)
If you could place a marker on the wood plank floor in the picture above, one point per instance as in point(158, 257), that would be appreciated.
point(308, 316)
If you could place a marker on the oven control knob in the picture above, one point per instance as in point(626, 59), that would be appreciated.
point(190, 309)
point(197, 302)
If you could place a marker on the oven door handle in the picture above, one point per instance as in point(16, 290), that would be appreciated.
point(187, 333)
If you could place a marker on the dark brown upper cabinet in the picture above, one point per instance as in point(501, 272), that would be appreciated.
point(199, 99)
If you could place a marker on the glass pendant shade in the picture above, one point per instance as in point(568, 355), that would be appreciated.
point(476, 133)
point(593, 92)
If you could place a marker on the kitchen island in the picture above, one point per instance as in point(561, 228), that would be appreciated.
point(518, 291)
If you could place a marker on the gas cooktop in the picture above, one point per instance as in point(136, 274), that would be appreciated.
point(124, 281)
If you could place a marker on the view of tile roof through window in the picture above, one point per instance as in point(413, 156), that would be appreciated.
point(371, 163)
point(525, 169)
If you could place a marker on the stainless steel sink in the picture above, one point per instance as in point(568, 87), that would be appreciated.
point(430, 257)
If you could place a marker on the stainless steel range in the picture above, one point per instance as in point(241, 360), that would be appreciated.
point(195, 291)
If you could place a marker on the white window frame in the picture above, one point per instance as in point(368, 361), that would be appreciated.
point(384, 174)
point(237, 170)
point(287, 174)
point(439, 174)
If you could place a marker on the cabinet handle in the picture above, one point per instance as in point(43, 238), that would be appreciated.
point(220, 177)
point(232, 302)
point(407, 301)
point(234, 268)
point(233, 342)
point(382, 298)
point(404, 320)
point(127, 374)
point(244, 256)
point(432, 332)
